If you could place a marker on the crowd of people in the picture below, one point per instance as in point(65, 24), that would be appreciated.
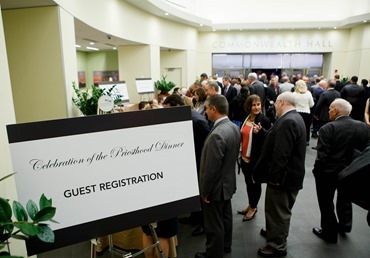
point(262, 128)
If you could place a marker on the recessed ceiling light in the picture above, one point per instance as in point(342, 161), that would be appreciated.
point(166, 14)
point(365, 21)
point(77, 46)
point(335, 28)
point(214, 29)
point(114, 48)
point(92, 48)
point(92, 43)
point(201, 25)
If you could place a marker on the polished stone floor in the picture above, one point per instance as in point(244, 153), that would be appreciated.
point(302, 243)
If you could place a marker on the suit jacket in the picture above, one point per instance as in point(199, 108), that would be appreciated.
point(259, 138)
point(354, 180)
point(283, 154)
point(258, 89)
point(322, 106)
point(337, 142)
point(200, 132)
point(231, 93)
point(217, 165)
point(355, 94)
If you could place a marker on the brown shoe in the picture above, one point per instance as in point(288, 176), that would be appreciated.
point(250, 214)
point(268, 251)
point(244, 211)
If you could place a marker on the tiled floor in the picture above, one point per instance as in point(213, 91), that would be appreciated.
point(302, 243)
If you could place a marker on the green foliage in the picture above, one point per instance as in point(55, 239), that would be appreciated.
point(163, 86)
point(344, 79)
point(22, 227)
point(87, 101)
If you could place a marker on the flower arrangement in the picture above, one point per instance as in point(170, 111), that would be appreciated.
point(22, 228)
point(87, 101)
point(164, 86)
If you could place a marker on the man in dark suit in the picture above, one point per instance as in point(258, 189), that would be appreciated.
point(316, 125)
point(321, 108)
point(257, 87)
point(335, 150)
point(282, 167)
point(355, 94)
point(218, 178)
point(229, 91)
point(338, 85)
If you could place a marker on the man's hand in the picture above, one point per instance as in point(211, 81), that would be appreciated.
point(205, 200)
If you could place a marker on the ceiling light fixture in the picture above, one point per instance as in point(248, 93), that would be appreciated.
point(201, 25)
point(114, 48)
point(365, 21)
point(92, 48)
point(92, 43)
point(166, 14)
point(335, 28)
point(77, 46)
point(214, 29)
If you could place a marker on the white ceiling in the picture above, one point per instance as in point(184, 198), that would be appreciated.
point(179, 12)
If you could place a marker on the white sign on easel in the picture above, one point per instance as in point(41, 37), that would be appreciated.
point(144, 85)
point(106, 173)
point(120, 88)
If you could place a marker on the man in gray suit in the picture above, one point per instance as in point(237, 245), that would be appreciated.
point(218, 178)
point(281, 166)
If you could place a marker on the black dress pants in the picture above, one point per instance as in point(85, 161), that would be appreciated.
point(253, 189)
point(326, 184)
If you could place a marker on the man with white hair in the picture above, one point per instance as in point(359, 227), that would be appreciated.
point(337, 143)
point(286, 85)
point(282, 167)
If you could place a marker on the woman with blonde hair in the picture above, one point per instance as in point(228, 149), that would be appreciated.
point(304, 101)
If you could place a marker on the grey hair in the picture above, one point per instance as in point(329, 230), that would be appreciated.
point(219, 102)
point(342, 105)
point(252, 75)
point(288, 97)
point(214, 85)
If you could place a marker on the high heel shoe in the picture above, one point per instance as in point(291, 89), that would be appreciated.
point(250, 214)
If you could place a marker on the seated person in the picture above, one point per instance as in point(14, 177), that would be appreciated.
point(165, 230)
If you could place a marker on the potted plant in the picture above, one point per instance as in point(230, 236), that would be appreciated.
point(87, 101)
point(163, 86)
point(30, 221)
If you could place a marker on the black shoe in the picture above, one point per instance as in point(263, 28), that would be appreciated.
point(263, 232)
point(268, 251)
point(200, 255)
point(198, 231)
point(344, 229)
point(328, 238)
point(314, 135)
point(227, 250)
point(314, 148)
